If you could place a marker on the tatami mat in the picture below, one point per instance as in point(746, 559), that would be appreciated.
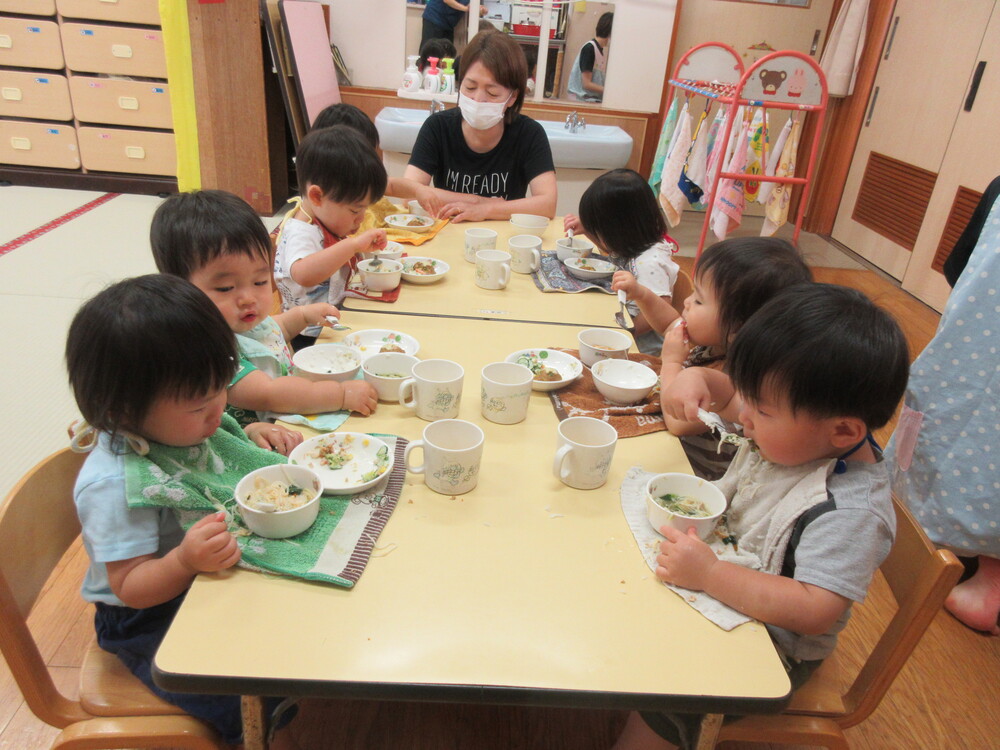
point(26, 208)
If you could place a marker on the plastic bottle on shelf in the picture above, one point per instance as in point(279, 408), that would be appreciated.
point(412, 77)
point(432, 77)
point(447, 76)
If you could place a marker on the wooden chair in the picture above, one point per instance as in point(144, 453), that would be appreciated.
point(920, 578)
point(38, 523)
point(682, 290)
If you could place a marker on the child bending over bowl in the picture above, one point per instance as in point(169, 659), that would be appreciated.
point(810, 375)
point(216, 241)
point(149, 361)
point(340, 176)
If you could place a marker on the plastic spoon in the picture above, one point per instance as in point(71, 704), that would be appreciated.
point(336, 326)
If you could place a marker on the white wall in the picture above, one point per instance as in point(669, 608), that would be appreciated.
point(371, 36)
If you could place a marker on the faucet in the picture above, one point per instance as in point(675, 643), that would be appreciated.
point(436, 105)
point(574, 122)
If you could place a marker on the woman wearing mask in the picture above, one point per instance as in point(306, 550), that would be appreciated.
point(484, 156)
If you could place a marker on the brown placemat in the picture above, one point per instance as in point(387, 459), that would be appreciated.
point(582, 399)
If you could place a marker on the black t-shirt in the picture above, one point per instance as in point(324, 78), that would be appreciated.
point(587, 56)
point(522, 154)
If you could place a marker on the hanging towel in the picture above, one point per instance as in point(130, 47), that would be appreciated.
point(671, 197)
point(773, 158)
point(844, 46)
point(729, 200)
point(663, 145)
point(717, 149)
point(693, 178)
point(755, 155)
point(776, 210)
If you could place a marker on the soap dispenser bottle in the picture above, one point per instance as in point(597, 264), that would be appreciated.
point(447, 76)
point(432, 77)
point(412, 78)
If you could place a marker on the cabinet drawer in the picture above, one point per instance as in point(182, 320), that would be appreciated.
point(138, 104)
point(129, 151)
point(121, 11)
point(119, 50)
point(38, 144)
point(44, 96)
point(30, 43)
point(29, 7)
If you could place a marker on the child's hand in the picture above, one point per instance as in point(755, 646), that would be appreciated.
point(360, 396)
point(316, 314)
point(676, 345)
point(373, 239)
point(685, 394)
point(572, 222)
point(208, 546)
point(684, 559)
point(272, 437)
point(625, 281)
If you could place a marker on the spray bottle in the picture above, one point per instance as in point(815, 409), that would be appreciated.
point(432, 77)
point(412, 78)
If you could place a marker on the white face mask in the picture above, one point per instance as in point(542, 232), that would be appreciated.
point(482, 115)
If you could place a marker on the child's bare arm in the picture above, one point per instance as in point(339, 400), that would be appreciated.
point(656, 312)
point(295, 320)
point(316, 268)
point(148, 580)
point(688, 562)
point(295, 395)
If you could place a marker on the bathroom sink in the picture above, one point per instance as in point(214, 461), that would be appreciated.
point(594, 147)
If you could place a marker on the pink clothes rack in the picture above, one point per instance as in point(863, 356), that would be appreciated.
point(779, 80)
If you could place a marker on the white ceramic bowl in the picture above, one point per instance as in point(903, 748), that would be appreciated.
point(568, 367)
point(440, 269)
point(573, 247)
point(380, 275)
point(366, 461)
point(622, 381)
point(691, 486)
point(373, 340)
point(603, 343)
point(387, 371)
point(391, 251)
point(410, 222)
point(589, 269)
point(280, 523)
point(530, 224)
point(327, 362)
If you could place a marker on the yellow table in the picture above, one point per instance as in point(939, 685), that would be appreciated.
point(457, 294)
point(521, 591)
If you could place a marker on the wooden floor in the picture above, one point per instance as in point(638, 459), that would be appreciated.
point(945, 697)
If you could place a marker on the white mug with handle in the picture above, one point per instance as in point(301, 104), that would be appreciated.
point(453, 452)
point(525, 253)
point(434, 390)
point(492, 269)
point(584, 449)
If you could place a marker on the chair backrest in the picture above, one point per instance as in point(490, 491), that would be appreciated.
point(682, 290)
point(38, 523)
point(920, 578)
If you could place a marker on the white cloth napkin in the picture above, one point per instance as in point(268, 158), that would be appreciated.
point(634, 507)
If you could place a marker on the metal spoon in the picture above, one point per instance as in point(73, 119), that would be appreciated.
point(334, 325)
point(623, 317)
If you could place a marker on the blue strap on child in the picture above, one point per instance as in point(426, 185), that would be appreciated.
point(841, 466)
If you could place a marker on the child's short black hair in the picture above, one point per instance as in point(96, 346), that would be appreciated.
point(620, 213)
point(348, 114)
point(141, 339)
point(745, 272)
point(829, 349)
point(439, 48)
point(342, 164)
point(192, 229)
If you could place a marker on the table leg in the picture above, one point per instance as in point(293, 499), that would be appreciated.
point(710, 725)
point(254, 724)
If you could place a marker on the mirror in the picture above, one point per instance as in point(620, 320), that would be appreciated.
point(572, 26)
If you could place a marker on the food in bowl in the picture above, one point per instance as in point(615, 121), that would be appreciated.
point(410, 222)
point(683, 505)
point(602, 343)
point(392, 346)
point(276, 496)
point(547, 375)
point(380, 275)
point(683, 492)
point(418, 221)
point(423, 267)
point(279, 501)
point(327, 362)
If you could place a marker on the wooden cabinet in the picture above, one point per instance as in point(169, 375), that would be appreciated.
point(84, 96)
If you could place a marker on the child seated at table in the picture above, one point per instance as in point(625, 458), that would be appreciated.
point(620, 214)
point(216, 241)
point(733, 279)
point(811, 374)
point(149, 361)
point(339, 176)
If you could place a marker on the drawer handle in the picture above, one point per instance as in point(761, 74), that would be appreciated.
point(5, 41)
point(135, 152)
point(113, 2)
point(11, 93)
point(20, 143)
point(121, 50)
point(128, 102)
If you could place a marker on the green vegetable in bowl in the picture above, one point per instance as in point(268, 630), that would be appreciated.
point(683, 505)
